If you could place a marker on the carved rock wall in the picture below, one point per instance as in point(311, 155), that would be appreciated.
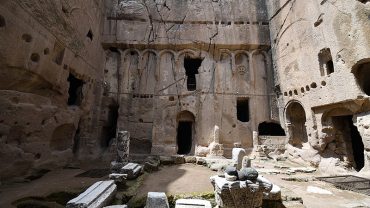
point(319, 51)
point(42, 45)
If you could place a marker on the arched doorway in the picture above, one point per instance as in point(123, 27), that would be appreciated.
point(185, 132)
point(296, 124)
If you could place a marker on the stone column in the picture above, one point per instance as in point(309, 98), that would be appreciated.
point(123, 146)
point(255, 139)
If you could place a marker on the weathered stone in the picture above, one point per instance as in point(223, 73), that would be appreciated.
point(178, 159)
point(232, 171)
point(201, 161)
point(118, 178)
point(96, 196)
point(123, 146)
point(190, 159)
point(247, 174)
point(241, 194)
point(201, 151)
point(133, 170)
point(192, 203)
point(238, 155)
point(116, 166)
point(117, 206)
point(230, 177)
point(157, 200)
point(151, 164)
point(166, 160)
point(274, 194)
point(246, 162)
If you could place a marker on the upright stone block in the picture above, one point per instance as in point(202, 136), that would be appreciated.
point(238, 155)
point(157, 200)
point(192, 203)
point(123, 146)
point(246, 163)
point(98, 195)
point(132, 170)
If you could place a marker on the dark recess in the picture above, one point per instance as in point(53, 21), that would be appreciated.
point(270, 129)
point(75, 90)
point(191, 66)
point(184, 137)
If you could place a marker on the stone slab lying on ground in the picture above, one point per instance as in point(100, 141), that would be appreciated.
point(132, 170)
point(117, 206)
point(96, 196)
point(302, 170)
point(192, 203)
point(157, 200)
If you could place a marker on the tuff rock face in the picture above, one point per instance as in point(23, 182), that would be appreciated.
point(73, 73)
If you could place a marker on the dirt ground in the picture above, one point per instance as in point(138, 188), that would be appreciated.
point(63, 180)
point(178, 179)
point(191, 178)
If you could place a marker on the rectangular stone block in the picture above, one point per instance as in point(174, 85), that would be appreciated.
point(118, 177)
point(98, 195)
point(132, 170)
point(192, 203)
point(157, 200)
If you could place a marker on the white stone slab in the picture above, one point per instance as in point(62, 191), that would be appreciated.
point(192, 203)
point(96, 196)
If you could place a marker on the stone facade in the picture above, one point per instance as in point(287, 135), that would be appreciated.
point(45, 48)
point(321, 53)
point(169, 71)
point(149, 50)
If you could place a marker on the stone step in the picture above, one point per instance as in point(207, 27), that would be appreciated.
point(98, 195)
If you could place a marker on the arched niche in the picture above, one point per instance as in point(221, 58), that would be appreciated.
point(361, 72)
point(147, 75)
point(259, 67)
point(131, 66)
point(296, 124)
point(242, 65)
point(166, 73)
point(225, 72)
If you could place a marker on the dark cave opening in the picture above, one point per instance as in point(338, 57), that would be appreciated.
point(242, 109)
point(75, 90)
point(184, 137)
point(110, 130)
point(270, 129)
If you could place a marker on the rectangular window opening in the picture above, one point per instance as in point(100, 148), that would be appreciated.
point(242, 107)
point(326, 62)
point(191, 66)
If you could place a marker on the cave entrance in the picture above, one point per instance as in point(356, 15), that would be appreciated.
point(296, 124)
point(75, 90)
point(191, 66)
point(348, 133)
point(185, 133)
point(270, 129)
